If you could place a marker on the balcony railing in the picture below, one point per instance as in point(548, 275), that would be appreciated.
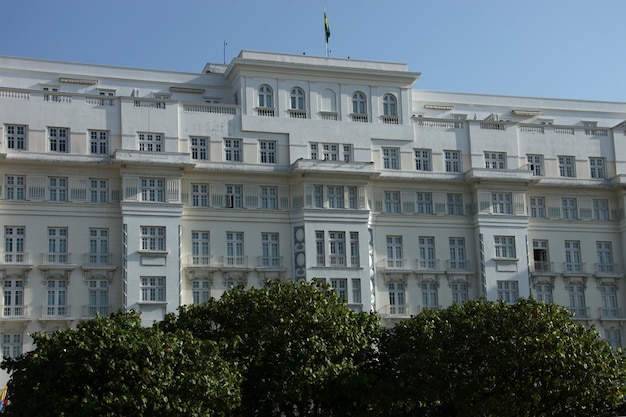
point(91, 310)
point(393, 263)
point(579, 312)
point(15, 258)
point(608, 313)
point(101, 259)
point(542, 266)
point(57, 97)
point(360, 118)
point(391, 120)
point(149, 103)
point(270, 261)
point(55, 312)
point(56, 258)
point(328, 115)
point(493, 125)
point(200, 260)
point(399, 310)
point(267, 112)
point(297, 114)
point(15, 312)
point(337, 260)
point(607, 268)
point(460, 266)
point(428, 264)
point(235, 261)
point(574, 267)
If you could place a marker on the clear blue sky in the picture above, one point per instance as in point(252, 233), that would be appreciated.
point(541, 48)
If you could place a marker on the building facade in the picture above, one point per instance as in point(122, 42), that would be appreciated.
point(141, 189)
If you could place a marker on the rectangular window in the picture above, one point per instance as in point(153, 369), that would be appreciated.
point(153, 289)
point(98, 298)
point(457, 254)
point(566, 166)
point(318, 196)
point(495, 160)
point(508, 291)
point(614, 338)
point(153, 189)
point(269, 198)
point(352, 198)
point(537, 207)
point(604, 252)
point(15, 137)
point(608, 293)
point(199, 148)
point(397, 297)
point(58, 139)
point(337, 241)
point(99, 142)
point(56, 298)
point(347, 153)
point(454, 204)
point(392, 202)
point(199, 195)
point(573, 258)
point(504, 246)
point(98, 190)
point(452, 161)
point(267, 150)
point(597, 168)
point(422, 160)
point(430, 300)
point(232, 150)
point(150, 142)
point(356, 291)
point(14, 244)
point(601, 210)
point(314, 151)
point(568, 208)
point(320, 245)
point(234, 196)
point(459, 292)
point(269, 246)
point(99, 247)
point(200, 291)
point(424, 203)
point(340, 286)
point(13, 298)
point(543, 293)
point(394, 252)
point(234, 249)
point(15, 187)
point(354, 249)
point(577, 304)
point(535, 164)
point(391, 158)
point(57, 189)
point(11, 345)
point(200, 248)
point(427, 259)
point(153, 238)
point(335, 197)
point(57, 246)
point(331, 151)
point(541, 256)
point(501, 203)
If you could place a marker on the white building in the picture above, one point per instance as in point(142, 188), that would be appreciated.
point(128, 188)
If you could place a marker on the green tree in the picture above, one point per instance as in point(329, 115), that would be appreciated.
point(300, 347)
point(115, 367)
point(493, 359)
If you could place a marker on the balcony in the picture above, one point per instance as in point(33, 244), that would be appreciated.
point(15, 258)
point(270, 262)
point(265, 112)
point(542, 267)
point(297, 114)
point(90, 311)
point(360, 118)
point(428, 265)
point(337, 260)
point(611, 313)
point(399, 264)
point(328, 115)
point(234, 261)
point(458, 266)
point(574, 268)
point(98, 259)
point(579, 312)
point(608, 269)
point(203, 260)
point(15, 313)
point(390, 120)
point(56, 258)
point(55, 312)
point(396, 311)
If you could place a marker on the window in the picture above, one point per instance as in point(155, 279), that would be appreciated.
point(597, 168)
point(199, 195)
point(234, 196)
point(590, 124)
point(568, 208)
point(232, 150)
point(99, 142)
point(99, 247)
point(501, 203)
point(495, 160)
point(457, 254)
point(153, 289)
point(356, 290)
point(58, 139)
point(14, 244)
point(150, 142)
point(153, 238)
point(15, 187)
point(234, 249)
point(537, 207)
point(427, 259)
point(359, 103)
point(604, 253)
point(390, 158)
point(396, 298)
point(269, 198)
point(200, 291)
point(352, 198)
point(577, 305)
point(98, 190)
point(535, 164)
point(57, 189)
point(13, 298)
point(296, 99)
point(57, 246)
point(265, 96)
point(269, 243)
point(314, 151)
point(98, 298)
point(601, 210)
point(424, 203)
point(199, 148)
point(11, 345)
point(392, 202)
point(51, 97)
point(504, 246)
point(331, 151)
point(56, 301)
point(16, 137)
point(389, 105)
point(454, 204)
point(608, 293)
point(347, 153)
point(429, 295)
point(340, 286)
point(335, 197)
point(318, 196)
point(354, 249)
point(459, 292)
point(452, 161)
point(572, 256)
point(153, 189)
point(268, 151)
point(566, 166)
point(543, 293)
point(541, 256)
point(422, 160)
point(337, 241)
point(508, 292)
point(320, 253)
point(394, 252)
point(106, 93)
point(614, 338)
point(200, 248)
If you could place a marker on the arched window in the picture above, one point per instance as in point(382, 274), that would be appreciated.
point(297, 99)
point(359, 104)
point(389, 105)
point(265, 96)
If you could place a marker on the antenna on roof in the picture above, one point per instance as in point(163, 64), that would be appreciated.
point(225, 43)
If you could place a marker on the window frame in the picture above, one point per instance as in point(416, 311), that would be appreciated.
point(150, 142)
point(16, 136)
point(153, 289)
point(391, 157)
point(504, 247)
point(423, 160)
point(98, 142)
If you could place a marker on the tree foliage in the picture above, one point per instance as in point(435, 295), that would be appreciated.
point(494, 359)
